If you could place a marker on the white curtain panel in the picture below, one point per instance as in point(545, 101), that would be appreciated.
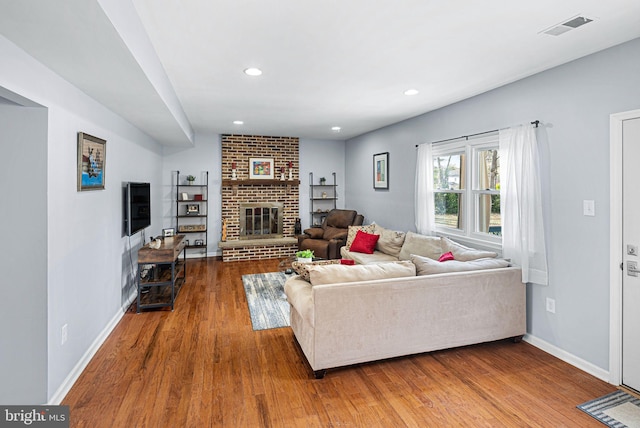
point(424, 202)
point(521, 203)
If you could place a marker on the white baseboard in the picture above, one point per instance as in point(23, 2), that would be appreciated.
point(75, 373)
point(568, 358)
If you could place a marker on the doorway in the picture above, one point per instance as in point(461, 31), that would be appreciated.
point(624, 356)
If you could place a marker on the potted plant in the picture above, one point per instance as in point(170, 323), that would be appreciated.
point(305, 256)
point(191, 179)
point(322, 181)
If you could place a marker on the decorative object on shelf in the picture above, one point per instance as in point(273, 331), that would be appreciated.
point(92, 152)
point(197, 197)
point(233, 171)
point(297, 227)
point(191, 179)
point(185, 196)
point(192, 228)
point(193, 209)
point(290, 170)
point(323, 181)
point(305, 256)
point(199, 242)
point(324, 195)
point(223, 236)
point(381, 170)
point(261, 168)
point(281, 173)
point(169, 231)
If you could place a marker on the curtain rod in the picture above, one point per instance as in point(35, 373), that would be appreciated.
point(466, 137)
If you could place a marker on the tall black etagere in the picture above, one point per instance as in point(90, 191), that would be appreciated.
point(192, 210)
point(322, 198)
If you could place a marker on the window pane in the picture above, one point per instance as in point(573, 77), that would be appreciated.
point(488, 170)
point(489, 220)
point(449, 209)
point(449, 171)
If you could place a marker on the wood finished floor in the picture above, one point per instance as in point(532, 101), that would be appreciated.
point(202, 365)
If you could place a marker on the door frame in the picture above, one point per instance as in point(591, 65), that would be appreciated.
point(615, 243)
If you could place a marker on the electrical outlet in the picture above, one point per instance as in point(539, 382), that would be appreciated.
point(64, 334)
point(551, 305)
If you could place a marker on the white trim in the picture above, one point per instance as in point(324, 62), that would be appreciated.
point(77, 370)
point(615, 242)
point(567, 357)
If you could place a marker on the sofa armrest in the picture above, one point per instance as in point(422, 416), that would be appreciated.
point(314, 232)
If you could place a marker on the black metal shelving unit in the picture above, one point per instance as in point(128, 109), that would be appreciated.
point(322, 199)
point(192, 211)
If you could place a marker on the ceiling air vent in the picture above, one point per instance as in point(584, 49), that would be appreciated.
point(572, 23)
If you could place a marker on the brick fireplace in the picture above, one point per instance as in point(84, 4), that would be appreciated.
point(237, 149)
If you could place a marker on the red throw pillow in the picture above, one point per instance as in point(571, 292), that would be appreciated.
point(348, 262)
point(446, 256)
point(364, 242)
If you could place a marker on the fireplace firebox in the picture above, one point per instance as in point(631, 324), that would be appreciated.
point(261, 220)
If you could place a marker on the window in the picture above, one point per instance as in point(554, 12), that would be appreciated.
point(466, 179)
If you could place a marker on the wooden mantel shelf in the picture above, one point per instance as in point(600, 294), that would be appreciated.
point(260, 182)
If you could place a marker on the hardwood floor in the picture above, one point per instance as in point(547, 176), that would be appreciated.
point(202, 365)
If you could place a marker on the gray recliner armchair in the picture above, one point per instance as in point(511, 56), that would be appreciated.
point(326, 240)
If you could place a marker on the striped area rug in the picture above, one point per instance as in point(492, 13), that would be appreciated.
point(617, 409)
point(267, 302)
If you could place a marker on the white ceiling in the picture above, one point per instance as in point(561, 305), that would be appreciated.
point(174, 68)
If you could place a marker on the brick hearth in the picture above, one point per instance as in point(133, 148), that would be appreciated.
point(238, 149)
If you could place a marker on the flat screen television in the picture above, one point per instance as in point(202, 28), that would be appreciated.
point(138, 207)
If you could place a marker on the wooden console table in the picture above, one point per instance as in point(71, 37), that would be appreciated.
point(161, 273)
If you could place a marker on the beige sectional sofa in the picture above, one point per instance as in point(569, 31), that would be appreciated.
point(343, 315)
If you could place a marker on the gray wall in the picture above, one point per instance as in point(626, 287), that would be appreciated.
point(23, 255)
point(573, 102)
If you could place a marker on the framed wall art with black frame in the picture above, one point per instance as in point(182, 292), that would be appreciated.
point(381, 170)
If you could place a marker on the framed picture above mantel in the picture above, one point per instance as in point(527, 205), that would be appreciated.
point(261, 168)
point(381, 170)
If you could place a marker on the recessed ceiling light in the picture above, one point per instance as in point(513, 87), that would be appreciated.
point(252, 71)
point(336, 128)
point(238, 122)
point(411, 92)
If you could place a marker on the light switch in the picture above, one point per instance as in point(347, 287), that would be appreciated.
point(589, 207)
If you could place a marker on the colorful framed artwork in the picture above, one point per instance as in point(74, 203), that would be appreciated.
point(381, 170)
point(261, 168)
point(92, 153)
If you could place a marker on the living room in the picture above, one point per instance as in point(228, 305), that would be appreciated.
point(71, 263)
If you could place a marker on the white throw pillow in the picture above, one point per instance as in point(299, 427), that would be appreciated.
point(334, 274)
point(462, 253)
point(390, 241)
point(422, 245)
point(427, 266)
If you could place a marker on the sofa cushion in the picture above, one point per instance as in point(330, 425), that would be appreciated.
point(351, 234)
point(462, 253)
point(428, 266)
point(340, 219)
point(363, 259)
point(390, 241)
point(302, 269)
point(422, 245)
point(364, 242)
point(334, 274)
